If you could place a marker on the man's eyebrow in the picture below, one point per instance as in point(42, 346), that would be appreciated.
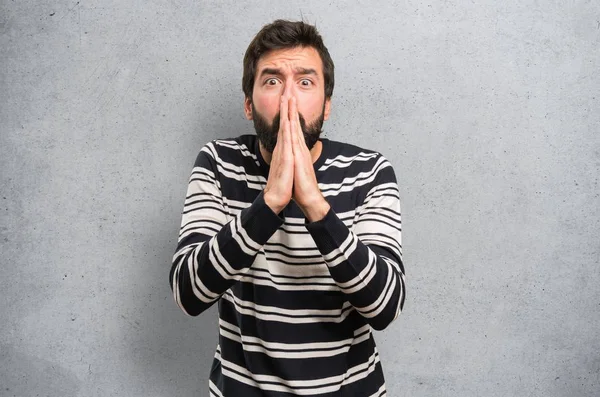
point(273, 71)
point(306, 71)
point(277, 72)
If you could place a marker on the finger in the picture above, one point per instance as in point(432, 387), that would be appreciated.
point(283, 110)
point(293, 126)
point(301, 139)
point(295, 120)
point(277, 150)
point(284, 123)
point(285, 126)
point(292, 104)
point(287, 140)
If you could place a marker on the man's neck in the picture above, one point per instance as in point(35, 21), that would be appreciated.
point(315, 152)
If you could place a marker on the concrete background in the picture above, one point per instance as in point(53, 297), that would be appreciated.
point(489, 113)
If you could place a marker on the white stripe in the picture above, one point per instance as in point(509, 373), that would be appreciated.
point(344, 162)
point(243, 149)
point(382, 300)
point(392, 262)
point(273, 313)
point(200, 183)
point(274, 383)
point(301, 222)
point(241, 237)
point(198, 229)
point(384, 241)
point(401, 298)
point(381, 189)
point(233, 171)
point(363, 278)
point(293, 350)
point(215, 205)
point(176, 292)
point(342, 253)
point(198, 171)
point(220, 263)
point(376, 202)
point(184, 250)
point(354, 374)
point(353, 182)
point(252, 181)
point(235, 206)
point(197, 281)
point(290, 285)
point(307, 279)
point(378, 219)
point(298, 260)
point(291, 270)
point(213, 389)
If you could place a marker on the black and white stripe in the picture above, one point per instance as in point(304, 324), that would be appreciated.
point(297, 300)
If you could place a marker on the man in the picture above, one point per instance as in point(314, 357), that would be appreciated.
point(296, 236)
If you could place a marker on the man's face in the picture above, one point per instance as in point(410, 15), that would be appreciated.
point(296, 72)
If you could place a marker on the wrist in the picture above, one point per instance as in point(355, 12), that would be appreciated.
point(276, 208)
point(317, 210)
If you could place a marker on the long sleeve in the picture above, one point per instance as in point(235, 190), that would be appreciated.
point(367, 263)
point(214, 248)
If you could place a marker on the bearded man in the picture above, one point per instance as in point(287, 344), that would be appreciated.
point(297, 237)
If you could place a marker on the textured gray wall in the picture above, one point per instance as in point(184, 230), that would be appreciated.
point(489, 113)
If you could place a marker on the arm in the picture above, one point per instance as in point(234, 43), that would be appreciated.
point(212, 252)
point(370, 272)
point(367, 264)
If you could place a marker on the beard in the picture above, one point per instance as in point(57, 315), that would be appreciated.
point(267, 133)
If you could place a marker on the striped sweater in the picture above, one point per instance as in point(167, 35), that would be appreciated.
point(297, 300)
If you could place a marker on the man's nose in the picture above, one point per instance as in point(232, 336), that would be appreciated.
point(289, 89)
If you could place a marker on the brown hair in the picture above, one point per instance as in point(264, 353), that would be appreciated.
point(285, 34)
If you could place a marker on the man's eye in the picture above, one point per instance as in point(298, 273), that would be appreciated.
point(271, 81)
point(305, 82)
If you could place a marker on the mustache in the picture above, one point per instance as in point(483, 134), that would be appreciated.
point(277, 121)
point(267, 133)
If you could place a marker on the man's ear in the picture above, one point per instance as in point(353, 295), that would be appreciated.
point(327, 109)
point(248, 108)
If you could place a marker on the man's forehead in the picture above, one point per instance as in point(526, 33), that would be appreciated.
point(297, 59)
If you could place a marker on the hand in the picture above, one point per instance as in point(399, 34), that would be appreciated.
point(306, 192)
point(278, 192)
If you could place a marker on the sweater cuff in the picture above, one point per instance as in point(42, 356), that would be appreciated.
point(259, 220)
point(328, 233)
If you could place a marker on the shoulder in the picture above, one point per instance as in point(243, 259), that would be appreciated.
point(342, 154)
point(360, 166)
point(229, 150)
point(240, 144)
point(348, 148)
